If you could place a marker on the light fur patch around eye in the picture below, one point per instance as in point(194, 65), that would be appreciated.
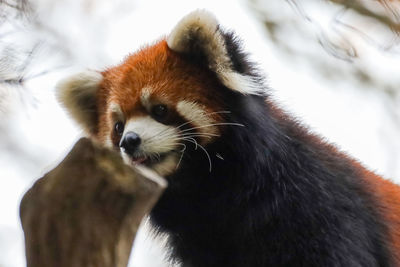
point(116, 112)
point(156, 137)
point(196, 115)
point(145, 97)
point(115, 108)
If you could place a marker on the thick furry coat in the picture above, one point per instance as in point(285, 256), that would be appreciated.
point(263, 191)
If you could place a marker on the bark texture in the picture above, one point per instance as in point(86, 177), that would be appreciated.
point(86, 211)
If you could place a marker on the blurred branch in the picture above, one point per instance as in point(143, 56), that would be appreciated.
point(86, 211)
point(20, 58)
point(363, 10)
point(14, 9)
point(335, 33)
point(14, 60)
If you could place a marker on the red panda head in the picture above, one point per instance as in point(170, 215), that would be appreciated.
point(162, 98)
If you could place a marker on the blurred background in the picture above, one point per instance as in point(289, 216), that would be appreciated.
point(333, 64)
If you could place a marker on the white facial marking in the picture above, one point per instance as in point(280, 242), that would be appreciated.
point(145, 97)
point(115, 109)
point(198, 117)
point(156, 139)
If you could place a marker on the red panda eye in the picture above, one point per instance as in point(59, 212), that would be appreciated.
point(119, 128)
point(159, 111)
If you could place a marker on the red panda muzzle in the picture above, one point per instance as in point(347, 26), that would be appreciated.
point(130, 143)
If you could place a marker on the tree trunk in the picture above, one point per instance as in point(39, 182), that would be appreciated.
point(86, 211)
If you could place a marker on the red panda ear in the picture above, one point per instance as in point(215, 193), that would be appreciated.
point(199, 34)
point(78, 94)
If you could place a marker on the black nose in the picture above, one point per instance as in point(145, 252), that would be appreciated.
point(130, 142)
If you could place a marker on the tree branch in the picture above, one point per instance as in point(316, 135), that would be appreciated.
point(86, 211)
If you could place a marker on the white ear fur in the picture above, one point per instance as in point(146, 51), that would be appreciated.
point(200, 27)
point(199, 30)
point(78, 94)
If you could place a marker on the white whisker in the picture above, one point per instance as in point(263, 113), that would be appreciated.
point(202, 134)
point(170, 138)
point(213, 124)
point(180, 159)
point(205, 151)
point(217, 112)
point(183, 124)
point(194, 141)
point(219, 156)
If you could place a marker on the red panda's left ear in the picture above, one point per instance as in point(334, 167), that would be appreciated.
point(199, 34)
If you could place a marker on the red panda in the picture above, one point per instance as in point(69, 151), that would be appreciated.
point(248, 184)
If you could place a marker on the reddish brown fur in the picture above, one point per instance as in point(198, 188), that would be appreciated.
point(171, 79)
point(388, 195)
